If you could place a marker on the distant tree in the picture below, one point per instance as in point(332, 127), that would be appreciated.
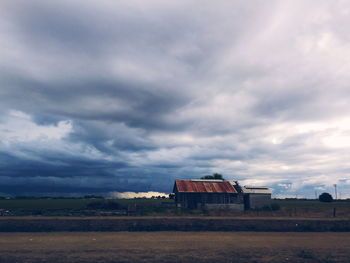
point(325, 197)
point(214, 176)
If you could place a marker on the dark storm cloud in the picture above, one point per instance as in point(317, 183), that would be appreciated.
point(94, 29)
point(128, 96)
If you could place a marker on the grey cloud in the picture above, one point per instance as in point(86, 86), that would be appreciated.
point(160, 91)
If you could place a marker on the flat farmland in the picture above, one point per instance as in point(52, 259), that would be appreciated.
point(241, 247)
point(164, 207)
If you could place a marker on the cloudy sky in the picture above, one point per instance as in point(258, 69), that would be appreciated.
point(113, 96)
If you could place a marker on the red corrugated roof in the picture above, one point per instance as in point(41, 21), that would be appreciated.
point(189, 186)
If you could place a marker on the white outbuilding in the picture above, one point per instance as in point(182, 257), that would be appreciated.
point(256, 197)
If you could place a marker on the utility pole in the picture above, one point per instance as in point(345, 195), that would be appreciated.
point(335, 190)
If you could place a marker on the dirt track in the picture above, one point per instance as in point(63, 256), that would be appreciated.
point(242, 247)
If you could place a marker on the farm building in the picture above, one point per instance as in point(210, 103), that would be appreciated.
point(256, 197)
point(212, 194)
point(198, 193)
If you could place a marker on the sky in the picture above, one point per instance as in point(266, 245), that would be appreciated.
point(100, 97)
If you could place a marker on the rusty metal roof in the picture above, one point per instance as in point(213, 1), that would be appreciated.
point(189, 186)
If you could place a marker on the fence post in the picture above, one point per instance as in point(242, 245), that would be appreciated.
point(334, 212)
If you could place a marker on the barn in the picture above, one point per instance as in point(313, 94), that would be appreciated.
point(222, 194)
point(210, 194)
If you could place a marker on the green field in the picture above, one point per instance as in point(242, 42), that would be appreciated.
point(313, 208)
point(73, 203)
point(44, 203)
point(310, 203)
point(85, 206)
point(81, 206)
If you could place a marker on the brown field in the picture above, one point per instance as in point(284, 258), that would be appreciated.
point(241, 247)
